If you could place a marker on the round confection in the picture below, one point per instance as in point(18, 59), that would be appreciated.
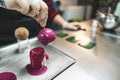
point(46, 36)
point(7, 76)
point(21, 33)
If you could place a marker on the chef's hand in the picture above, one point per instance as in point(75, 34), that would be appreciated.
point(34, 8)
point(71, 25)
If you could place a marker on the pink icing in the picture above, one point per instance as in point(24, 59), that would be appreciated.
point(36, 66)
point(7, 76)
point(46, 36)
point(34, 71)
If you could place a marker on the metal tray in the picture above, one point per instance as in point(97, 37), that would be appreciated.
point(13, 61)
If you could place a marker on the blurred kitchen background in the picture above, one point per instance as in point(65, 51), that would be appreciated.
point(107, 12)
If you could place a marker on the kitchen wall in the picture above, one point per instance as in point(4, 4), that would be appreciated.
point(105, 4)
point(94, 5)
point(67, 3)
point(72, 9)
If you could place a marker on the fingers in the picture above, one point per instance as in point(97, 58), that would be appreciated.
point(34, 8)
point(76, 24)
point(44, 10)
point(22, 6)
point(41, 21)
point(43, 13)
point(44, 21)
point(39, 11)
point(69, 26)
point(73, 27)
point(19, 5)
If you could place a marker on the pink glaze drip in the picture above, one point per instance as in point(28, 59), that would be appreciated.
point(34, 71)
point(7, 76)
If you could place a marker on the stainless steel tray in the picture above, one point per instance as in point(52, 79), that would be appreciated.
point(13, 61)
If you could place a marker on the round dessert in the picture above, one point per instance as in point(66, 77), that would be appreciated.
point(21, 33)
point(46, 36)
point(7, 76)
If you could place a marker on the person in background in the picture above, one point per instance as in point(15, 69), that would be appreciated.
point(54, 16)
point(32, 14)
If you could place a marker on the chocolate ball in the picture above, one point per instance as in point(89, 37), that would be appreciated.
point(21, 33)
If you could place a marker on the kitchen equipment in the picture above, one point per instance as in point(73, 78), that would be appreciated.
point(108, 21)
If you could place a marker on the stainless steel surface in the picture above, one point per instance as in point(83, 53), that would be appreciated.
point(110, 23)
point(99, 63)
point(12, 61)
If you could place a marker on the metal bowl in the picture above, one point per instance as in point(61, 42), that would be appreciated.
point(110, 22)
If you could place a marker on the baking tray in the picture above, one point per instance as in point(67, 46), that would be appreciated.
point(13, 61)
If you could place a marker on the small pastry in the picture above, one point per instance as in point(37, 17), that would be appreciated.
point(21, 33)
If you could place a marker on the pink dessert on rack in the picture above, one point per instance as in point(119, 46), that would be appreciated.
point(7, 76)
point(37, 56)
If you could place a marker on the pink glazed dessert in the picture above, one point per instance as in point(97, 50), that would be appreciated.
point(46, 36)
point(37, 56)
point(7, 76)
